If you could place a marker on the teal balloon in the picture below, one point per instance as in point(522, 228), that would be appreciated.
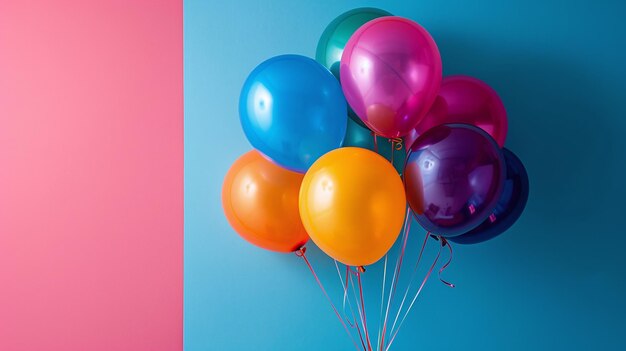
point(333, 40)
point(362, 137)
point(293, 111)
point(338, 32)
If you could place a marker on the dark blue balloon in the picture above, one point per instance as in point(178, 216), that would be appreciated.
point(509, 207)
point(293, 111)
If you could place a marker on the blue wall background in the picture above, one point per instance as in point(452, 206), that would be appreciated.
point(556, 280)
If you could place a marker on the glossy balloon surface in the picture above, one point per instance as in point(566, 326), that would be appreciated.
point(352, 204)
point(293, 111)
point(390, 74)
point(260, 200)
point(510, 205)
point(453, 177)
point(335, 37)
point(470, 101)
point(437, 112)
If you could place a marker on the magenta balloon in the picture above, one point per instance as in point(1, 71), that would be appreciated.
point(390, 74)
point(470, 101)
point(437, 111)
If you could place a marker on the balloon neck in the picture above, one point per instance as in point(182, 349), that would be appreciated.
point(440, 238)
point(360, 269)
point(444, 242)
point(300, 252)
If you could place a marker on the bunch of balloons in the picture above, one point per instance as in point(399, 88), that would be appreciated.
point(345, 141)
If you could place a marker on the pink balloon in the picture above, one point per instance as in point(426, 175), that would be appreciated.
point(471, 101)
point(390, 74)
point(437, 112)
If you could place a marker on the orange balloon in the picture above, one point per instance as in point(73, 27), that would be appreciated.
point(260, 200)
point(352, 204)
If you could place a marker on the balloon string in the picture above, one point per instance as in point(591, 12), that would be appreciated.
point(445, 242)
point(349, 276)
point(396, 274)
point(432, 267)
point(382, 300)
point(398, 142)
point(419, 258)
point(375, 142)
point(361, 336)
point(345, 293)
point(344, 285)
point(301, 253)
point(369, 344)
point(411, 280)
point(350, 273)
point(393, 148)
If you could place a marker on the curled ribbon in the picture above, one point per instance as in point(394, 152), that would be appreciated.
point(397, 142)
point(445, 243)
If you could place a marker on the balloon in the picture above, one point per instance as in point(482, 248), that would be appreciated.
point(336, 35)
point(510, 205)
point(361, 137)
point(390, 74)
point(453, 177)
point(293, 111)
point(437, 111)
point(260, 200)
point(471, 101)
point(352, 205)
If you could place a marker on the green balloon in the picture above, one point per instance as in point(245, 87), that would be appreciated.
point(335, 37)
point(362, 137)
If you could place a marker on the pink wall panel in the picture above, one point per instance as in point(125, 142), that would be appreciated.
point(91, 175)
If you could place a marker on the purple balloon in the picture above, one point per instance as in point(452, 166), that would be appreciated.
point(454, 175)
point(390, 74)
point(510, 205)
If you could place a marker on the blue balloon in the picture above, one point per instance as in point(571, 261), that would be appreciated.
point(359, 136)
point(293, 111)
point(510, 205)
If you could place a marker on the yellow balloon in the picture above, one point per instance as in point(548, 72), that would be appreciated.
point(352, 204)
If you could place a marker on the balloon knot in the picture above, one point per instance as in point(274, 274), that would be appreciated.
point(300, 252)
point(444, 242)
point(361, 269)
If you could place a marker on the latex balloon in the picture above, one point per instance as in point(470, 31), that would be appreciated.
point(352, 205)
point(510, 205)
point(453, 177)
point(335, 37)
point(362, 137)
point(293, 111)
point(437, 112)
point(390, 74)
point(260, 200)
point(471, 101)
point(333, 41)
